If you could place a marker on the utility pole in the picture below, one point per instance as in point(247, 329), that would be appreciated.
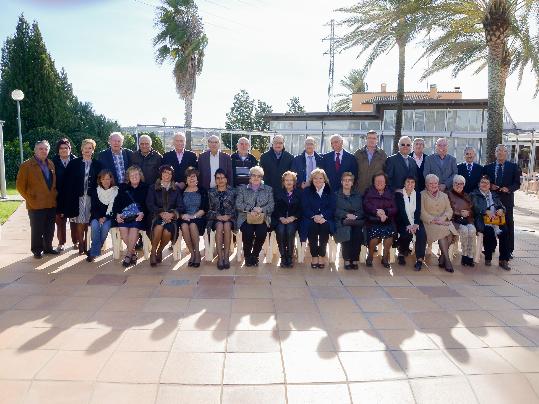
point(331, 52)
point(3, 193)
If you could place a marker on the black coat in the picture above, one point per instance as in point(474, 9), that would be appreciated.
point(189, 159)
point(420, 184)
point(510, 179)
point(472, 178)
point(397, 171)
point(402, 217)
point(299, 166)
point(480, 208)
point(60, 170)
point(274, 168)
point(284, 209)
point(123, 199)
point(73, 185)
point(148, 164)
point(107, 162)
point(239, 166)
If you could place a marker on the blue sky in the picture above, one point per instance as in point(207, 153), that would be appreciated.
point(271, 48)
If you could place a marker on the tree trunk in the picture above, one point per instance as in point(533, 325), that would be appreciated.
point(496, 92)
point(188, 122)
point(400, 95)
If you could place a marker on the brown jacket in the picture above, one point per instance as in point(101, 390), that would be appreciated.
point(365, 170)
point(460, 202)
point(32, 186)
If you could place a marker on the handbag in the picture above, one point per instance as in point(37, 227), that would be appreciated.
point(254, 218)
point(495, 221)
point(352, 222)
point(131, 211)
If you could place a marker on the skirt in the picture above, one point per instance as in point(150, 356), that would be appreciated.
point(133, 225)
point(214, 223)
point(171, 227)
point(85, 205)
point(199, 221)
point(380, 231)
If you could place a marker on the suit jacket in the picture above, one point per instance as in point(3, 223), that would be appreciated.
point(420, 184)
point(348, 163)
point(367, 170)
point(33, 187)
point(444, 172)
point(205, 170)
point(189, 159)
point(510, 179)
point(472, 178)
point(275, 168)
point(397, 170)
point(299, 166)
point(107, 162)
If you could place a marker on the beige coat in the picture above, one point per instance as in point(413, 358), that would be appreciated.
point(432, 207)
point(365, 170)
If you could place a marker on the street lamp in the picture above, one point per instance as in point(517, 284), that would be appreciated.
point(3, 193)
point(164, 120)
point(18, 96)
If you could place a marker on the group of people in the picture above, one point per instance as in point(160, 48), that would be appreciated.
point(359, 199)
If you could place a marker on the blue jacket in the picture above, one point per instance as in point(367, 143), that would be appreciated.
point(106, 160)
point(348, 163)
point(472, 178)
point(299, 166)
point(316, 205)
point(444, 172)
point(397, 171)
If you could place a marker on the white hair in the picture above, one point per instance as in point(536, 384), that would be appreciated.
point(468, 148)
point(501, 146)
point(431, 177)
point(177, 135)
point(214, 137)
point(256, 170)
point(119, 134)
point(459, 178)
point(441, 139)
point(244, 139)
point(404, 138)
point(145, 137)
point(310, 140)
point(336, 136)
point(45, 142)
point(277, 137)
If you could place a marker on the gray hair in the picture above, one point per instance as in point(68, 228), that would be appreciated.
point(177, 135)
point(214, 137)
point(441, 139)
point(419, 140)
point(459, 178)
point(244, 139)
point(145, 137)
point(309, 139)
point(119, 134)
point(256, 170)
point(431, 177)
point(404, 138)
point(277, 137)
point(45, 142)
point(468, 148)
point(336, 136)
point(501, 146)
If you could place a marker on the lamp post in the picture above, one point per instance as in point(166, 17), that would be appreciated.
point(3, 192)
point(18, 96)
point(164, 120)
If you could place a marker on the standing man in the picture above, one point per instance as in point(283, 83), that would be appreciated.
point(36, 182)
point(419, 158)
point(470, 170)
point(148, 159)
point(400, 166)
point(116, 158)
point(180, 159)
point(441, 164)
point(211, 160)
point(505, 180)
point(304, 163)
point(337, 162)
point(275, 162)
point(371, 160)
point(242, 161)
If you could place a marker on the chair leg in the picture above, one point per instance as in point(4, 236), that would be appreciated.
point(177, 247)
point(478, 248)
point(209, 243)
point(363, 254)
point(332, 249)
point(300, 248)
point(146, 244)
point(116, 243)
point(88, 238)
point(239, 247)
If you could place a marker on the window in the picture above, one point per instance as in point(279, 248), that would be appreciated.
point(336, 125)
point(389, 120)
point(370, 125)
point(419, 120)
point(408, 120)
point(462, 120)
point(476, 119)
point(434, 120)
point(314, 125)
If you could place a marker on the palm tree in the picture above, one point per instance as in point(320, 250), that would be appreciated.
point(181, 40)
point(486, 33)
point(353, 82)
point(380, 25)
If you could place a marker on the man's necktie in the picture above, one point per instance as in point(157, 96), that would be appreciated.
point(499, 175)
point(311, 166)
point(337, 162)
point(469, 170)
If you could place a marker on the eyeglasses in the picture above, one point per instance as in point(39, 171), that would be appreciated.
point(458, 183)
point(405, 144)
point(256, 176)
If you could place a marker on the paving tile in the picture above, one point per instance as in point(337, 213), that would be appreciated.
point(253, 368)
point(417, 305)
point(382, 392)
point(391, 280)
point(300, 305)
point(213, 292)
point(74, 365)
point(124, 393)
point(523, 359)
point(254, 394)
point(494, 303)
point(479, 361)
point(317, 394)
point(173, 291)
point(516, 318)
point(124, 304)
point(425, 363)
point(252, 292)
point(107, 279)
point(209, 306)
point(443, 390)
point(299, 341)
point(95, 291)
point(138, 291)
point(146, 341)
point(369, 366)
point(496, 337)
point(525, 302)
point(23, 365)
point(13, 391)
point(438, 291)
point(406, 340)
point(82, 303)
point(312, 367)
point(254, 341)
point(383, 305)
point(90, 340)
point(125, 367)
point(354, 341)
point(59, 392)
point(300, 321)
point(367, 292)
point(253, 306)
point(118, 320)
point(205, 321)
point(390, 321)
point(503, 389)
point(200, 341)
point(329, 292)
point(447, 338)
point(166, 305)
point(177, 394)
point(252, 322)
point(337, 305)
point(290, 293)
point(216, 280)
point(455, 303)
point(346, 321)
point(476, 318)
point(405, 292)
point(40, 303)
point(193, 368)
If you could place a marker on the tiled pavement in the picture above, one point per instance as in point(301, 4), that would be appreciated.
point(73, 332)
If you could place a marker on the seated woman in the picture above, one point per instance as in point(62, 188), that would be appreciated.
point(129, 210)
point(488, 210)
point(101, 212)
point(221, 216)
point(349, 221)
point(380, 212)
point(436, 215)
point(193, 221)
point(165, 206)
point(286, 216)
point(254, 206)
point(318, 220)
point(409, 223)
point(463, 220)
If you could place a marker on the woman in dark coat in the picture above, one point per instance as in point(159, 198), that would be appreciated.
point(193, 220)
point(79, 182)
point(349, 221)
point(318, 221)
point(380, 211)
point(409, 223)
point(285, 217)
point(129, 194)
point(164, 204)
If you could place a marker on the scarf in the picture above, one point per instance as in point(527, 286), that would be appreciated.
point(410, 205)
point(107, 196)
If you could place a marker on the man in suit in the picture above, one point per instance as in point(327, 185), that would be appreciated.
point(370, 160)
point(116, 158)
point(304, 163)
point(441, 164)
point(505, 180)
point(275, 162)
point(337, 162)
point(471, 171)
point(180, 159)
point(400, 165)
point(419, 157)
point(211, 160)
point(242, 162)
point(148, 159)
point(36, 182)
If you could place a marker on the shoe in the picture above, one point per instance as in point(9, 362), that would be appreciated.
point(60, 248)
point(510, 256)
point(153, 260)
point(464, 261)
point(159, 257)
point(38, 255)
point(369, 261)
point(75, 246)
point(449, 269)
point(347, 266)
point(220, 266)
point(255, 262)
point(314, 266)
point(89, 258)
point(126, 261)
point(354, 266)
point(385, 263)
point(505, 265)
point(418, 265)
point(488, 263)
point(226, 264)
point(401, 260)
point(134, 258)
point(441, 261)
point(248, 261)
point(51, 252)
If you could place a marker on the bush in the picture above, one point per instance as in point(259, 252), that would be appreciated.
point(12, 157)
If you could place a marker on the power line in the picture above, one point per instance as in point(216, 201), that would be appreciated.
point(331, 52)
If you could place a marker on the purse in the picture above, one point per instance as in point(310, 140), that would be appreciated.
point(253, 218)
point(495, 221)
point(131, 211)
